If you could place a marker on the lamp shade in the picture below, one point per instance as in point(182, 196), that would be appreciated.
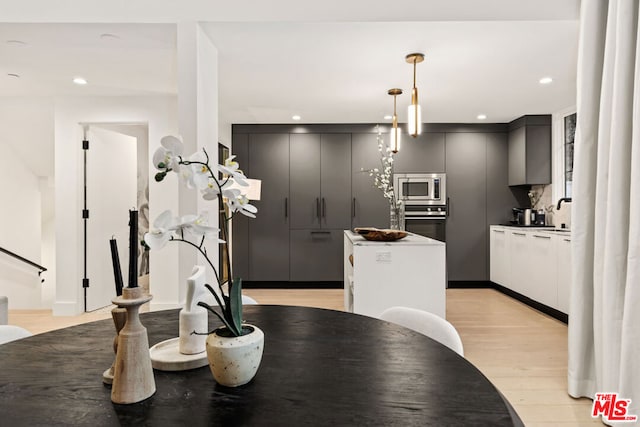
point(414, 126)
point(252, 191)
point(394, 139)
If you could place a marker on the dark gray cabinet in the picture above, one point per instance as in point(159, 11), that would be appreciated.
point(320, 204)
point(335, 183)
point(369, 207)
point(425, 153)
point(269, 231)
point(305, 180)
point(320, 181)
point(466, 188)
point(317, 255)
point(240, 223)
point(500, 197)
point(530, 150)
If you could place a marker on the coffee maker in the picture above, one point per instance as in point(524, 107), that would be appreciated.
point(524, 216)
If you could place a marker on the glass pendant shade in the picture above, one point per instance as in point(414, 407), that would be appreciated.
point(414, 126)
point(394, 139)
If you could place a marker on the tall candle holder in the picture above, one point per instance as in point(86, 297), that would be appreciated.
point(133, 375)
point(119, 315)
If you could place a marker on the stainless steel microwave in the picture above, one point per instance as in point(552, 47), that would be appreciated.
point(421, 188)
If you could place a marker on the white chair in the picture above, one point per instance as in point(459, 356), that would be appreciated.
point(10, 333)
point(426, 323)
point(247, 300)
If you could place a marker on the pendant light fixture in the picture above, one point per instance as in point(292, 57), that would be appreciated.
point(414, 120)
point(394, 141)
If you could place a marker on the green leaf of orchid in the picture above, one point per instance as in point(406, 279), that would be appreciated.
point(235, 302)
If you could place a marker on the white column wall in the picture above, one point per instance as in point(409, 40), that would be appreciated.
point(198, 124)
point(159, 113)
point(20, 231)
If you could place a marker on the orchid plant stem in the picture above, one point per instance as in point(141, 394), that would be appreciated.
point(204, 254)
point(225, 235)
point(214, 182)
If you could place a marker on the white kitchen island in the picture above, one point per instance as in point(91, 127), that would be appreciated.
point(410, 272)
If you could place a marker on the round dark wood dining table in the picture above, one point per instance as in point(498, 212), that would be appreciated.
point(320, 367)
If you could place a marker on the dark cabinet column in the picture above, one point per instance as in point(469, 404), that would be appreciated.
point(240, 223)
point(425, 153)
point(269, 231)
point(335, 165)
point(370, 208)
point(305, 180)
point(466, 189)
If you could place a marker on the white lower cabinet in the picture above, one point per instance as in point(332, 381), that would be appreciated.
point(500, 270)
point(541, 281)
point(519, 262)
point(564, 272)
point(534, 263)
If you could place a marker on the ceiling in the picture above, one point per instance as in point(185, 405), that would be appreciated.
point(330, 61)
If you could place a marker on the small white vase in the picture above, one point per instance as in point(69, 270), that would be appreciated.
point(234, 361)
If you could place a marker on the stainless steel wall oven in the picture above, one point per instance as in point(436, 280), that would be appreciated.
point(425, 200)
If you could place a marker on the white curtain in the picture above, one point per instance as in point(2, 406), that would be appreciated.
point(604, 317)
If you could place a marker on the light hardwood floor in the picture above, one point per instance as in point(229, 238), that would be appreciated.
point(522, 351)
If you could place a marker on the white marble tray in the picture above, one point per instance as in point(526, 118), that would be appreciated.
point(166, 356)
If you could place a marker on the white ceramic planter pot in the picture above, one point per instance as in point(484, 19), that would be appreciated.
point(234, 361)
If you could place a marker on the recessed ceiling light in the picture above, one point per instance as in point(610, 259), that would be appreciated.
point(388, 117)
point(16, 43)
point(482, 116)
point(14, 75)
point(79, 81)
point(545, 80)
point(296, 117)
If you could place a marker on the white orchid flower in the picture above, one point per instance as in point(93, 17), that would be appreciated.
point(164, 229)
point(241, 204)
point(197, 225)
point(230, 168)
point(199, 173)
point(167, 156)
point(212, 190)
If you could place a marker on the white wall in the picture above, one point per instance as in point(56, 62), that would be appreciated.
point(20, 231)
point(160, 114)
point(48, 251)
point(198, 122)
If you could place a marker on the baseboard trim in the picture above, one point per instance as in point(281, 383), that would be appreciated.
point(469, 284)
point(556, 314)
point(260, 284)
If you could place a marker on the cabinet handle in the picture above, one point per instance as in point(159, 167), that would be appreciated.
point(318, 208)
point(321, 232)
point(324, 208)
point(567, 240)
point(448, 208)
point(518, 234)
point(498, 231)
point(286, 207)
point(541, 237)
point(353, 208)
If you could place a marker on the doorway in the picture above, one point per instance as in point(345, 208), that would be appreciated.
point(115, 181)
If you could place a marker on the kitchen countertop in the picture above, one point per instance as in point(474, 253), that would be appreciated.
point(410, 240)
point(550, 229)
